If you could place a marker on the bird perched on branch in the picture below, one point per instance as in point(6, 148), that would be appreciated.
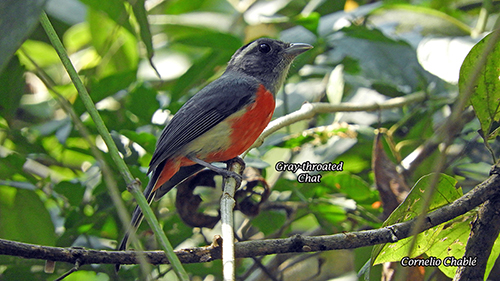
point(222, 120)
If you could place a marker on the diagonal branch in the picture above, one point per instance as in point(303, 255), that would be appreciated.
point(309, 110)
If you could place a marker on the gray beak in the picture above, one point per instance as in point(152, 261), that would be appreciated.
point(296, 49)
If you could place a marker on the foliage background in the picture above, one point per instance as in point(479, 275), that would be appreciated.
point(51, 192)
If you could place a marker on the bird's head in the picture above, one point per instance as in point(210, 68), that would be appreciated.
point(267, 60)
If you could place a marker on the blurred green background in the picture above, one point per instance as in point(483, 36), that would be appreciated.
point(51, 191)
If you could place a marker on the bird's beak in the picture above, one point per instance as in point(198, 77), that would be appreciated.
point(296, 49)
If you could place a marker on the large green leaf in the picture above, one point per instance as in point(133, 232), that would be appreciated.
point(201, 69)
point(454, 238)
point(18, 20)
point(115, 45)
point(110, 85)
point(10, 165)
point(142, 102)
point(381, 59)
point(73, 192)
point(445, 193)
point(24, 218)
point(115, 11)
point(328, 214)
point(146, 140)
point(353, 186)
point(12, 89)
point(269, 221)
point(211, 39)
point(412, 18)
point(144, 31)
point(486, 91)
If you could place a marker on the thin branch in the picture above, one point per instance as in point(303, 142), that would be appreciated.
point(411, 162)
point(481, 193)
point(74, 269)
point(227, 204)
point(309, 110)
point(482, 19)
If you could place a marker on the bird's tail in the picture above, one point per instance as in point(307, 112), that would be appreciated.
point(137, 216)
point(150, 195)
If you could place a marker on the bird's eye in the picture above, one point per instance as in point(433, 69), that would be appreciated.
point(264, 48)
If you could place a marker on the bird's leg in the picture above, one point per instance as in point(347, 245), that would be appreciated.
point(236, 159)
point(230, 167)
point(221, 171)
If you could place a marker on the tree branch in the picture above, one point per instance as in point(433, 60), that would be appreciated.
point(482, 237)
point(309, 110)
point(481, 193)
point(227, 204)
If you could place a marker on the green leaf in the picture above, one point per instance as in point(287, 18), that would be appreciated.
point(310, 21)
point(486, 91)
point(85, 275)
point(18, 20)
point(72, 191)
point(453, 239)
point(445, 193)
point(269, 221)
point(372, 35)
point(42, 53)
point(305, 221)
point(408, 18)
point(100, 89)
point(115, 11)
point(12, 89)
point(141, 101)
point(177, 7)
point(495, 252)
point(10, 165)
point(14, 272)
point(23, 217)
point(144, 31)
point(380, 58)
point(297, 141)
point(77, 37)
point(146, 140)
point(211, 39)
point(217, 49)
point(328, 213)
point(455, 235)
point(351, 185)
point(201, 69)
point(117, 47)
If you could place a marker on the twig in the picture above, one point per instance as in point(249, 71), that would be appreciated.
point(482, 19)
point(227, 204)
point(309, 110)
point(411, 162)
point(73, 269)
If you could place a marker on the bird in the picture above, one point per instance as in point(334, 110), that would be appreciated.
point(221, 121)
